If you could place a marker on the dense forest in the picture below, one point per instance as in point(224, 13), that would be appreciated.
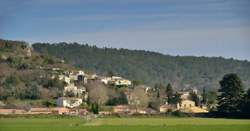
point(148, 67)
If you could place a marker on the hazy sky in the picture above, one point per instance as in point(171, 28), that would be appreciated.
point(176, 27)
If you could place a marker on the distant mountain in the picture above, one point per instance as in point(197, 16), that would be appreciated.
point(149, 67)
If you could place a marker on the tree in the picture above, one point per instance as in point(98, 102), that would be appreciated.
point(140, 98)
point(211, 99)
point(231, 95)
point(246, 105)
point(116, 97)
point(32, 91)
point(169, 94)
point(95, 108)
point(153, 67)
point(176, 98)
point(204, 96)
point(110, 74)
point(97, 93)
point(194, 97)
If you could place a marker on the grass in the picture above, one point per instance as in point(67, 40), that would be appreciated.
point(167, 121)
point(123, 124)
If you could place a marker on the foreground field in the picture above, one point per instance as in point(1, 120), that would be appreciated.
point(123, 124)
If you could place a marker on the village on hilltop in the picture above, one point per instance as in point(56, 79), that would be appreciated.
point(75, 94)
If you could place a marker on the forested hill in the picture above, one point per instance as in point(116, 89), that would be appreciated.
point(149, 67)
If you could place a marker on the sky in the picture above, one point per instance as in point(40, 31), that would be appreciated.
point(175, 27)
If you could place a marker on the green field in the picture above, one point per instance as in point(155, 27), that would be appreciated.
point(123, 124)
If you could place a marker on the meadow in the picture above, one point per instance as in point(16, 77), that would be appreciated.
point(123, 124)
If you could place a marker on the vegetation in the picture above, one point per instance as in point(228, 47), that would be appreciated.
point(26, 75)
point(123, 124)
point(232, 102)
point(149, 67)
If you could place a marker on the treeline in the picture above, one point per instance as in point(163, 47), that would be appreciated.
point(149, 67)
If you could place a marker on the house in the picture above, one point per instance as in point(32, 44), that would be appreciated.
point(167, 107)
point(116, 81)
point(11, 111)
point(194, 110)
point(28, 51)
point(70, 88)
point(82, 112)
point(1, 104)
point(121, 109)
point(60, 110)
point(106, 80)
point(123, 82)
point(150, 111)
point(104, 113)
point(80, 72)
point(92, 77)
point(132, 99)
point(184, 104)
point(185, 95)
point(39, 111)
point(64, 78)
point(141, 111)
point(69, 102)
point(81, 77)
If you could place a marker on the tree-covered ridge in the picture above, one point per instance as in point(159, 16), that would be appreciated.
point(149, 67)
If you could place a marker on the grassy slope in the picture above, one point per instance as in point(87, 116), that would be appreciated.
point(124, 124)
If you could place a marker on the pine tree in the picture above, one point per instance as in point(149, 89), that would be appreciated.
point(169, 94)
point(231, 95)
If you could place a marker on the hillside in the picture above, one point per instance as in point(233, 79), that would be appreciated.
point(26, 74)
point(149, 67)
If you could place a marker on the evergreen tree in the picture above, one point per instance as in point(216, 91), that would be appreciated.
point(204, 96)
point(95, 108)
point(194, 97)
point(169, 94)
point(231, 95)
point(176, 98)
point(246, 105)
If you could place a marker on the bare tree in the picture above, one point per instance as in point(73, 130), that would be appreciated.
point(97, 93)
point(139, 97)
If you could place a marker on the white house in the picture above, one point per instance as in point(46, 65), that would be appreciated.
point(64, 78)
point(106, 80)
point(69, 102)
point(123, 82)
point(116, 80)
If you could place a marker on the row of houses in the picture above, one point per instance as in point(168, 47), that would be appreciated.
point(187, 106)
point(39, 111)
